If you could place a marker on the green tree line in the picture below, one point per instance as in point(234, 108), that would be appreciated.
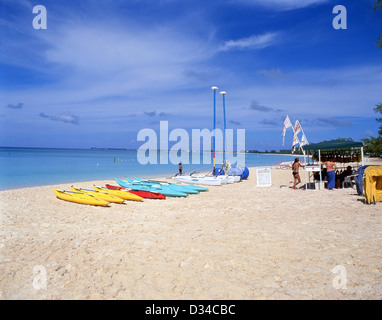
point(378, 6)
point(374, 145)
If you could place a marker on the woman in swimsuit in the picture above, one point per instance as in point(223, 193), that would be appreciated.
point(296, 176)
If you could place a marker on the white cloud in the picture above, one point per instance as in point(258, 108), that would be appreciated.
point(368, 133)
point(63, 117)
point(169, 67)
point(338, 93)
point(283, 5)
point(124, 60)
point(253, 42)
point(275, 73)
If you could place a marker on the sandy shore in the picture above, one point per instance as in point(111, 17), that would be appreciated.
point(235, 241)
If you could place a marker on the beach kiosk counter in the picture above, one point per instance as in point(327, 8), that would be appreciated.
point(342, 152)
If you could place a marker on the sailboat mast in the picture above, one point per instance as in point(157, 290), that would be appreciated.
point(213, 141)
point(223, 93)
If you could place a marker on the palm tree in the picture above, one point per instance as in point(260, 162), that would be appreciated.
point(378, 5)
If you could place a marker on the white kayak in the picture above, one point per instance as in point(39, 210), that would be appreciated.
point(236, 178)
point(224, 178)
point(210, 181)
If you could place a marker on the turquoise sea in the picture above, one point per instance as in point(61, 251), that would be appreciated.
point(27, 167)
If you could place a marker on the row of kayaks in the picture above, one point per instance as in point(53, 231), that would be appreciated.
point(129, 189)
point(98, 197)
point(166, 188)
point(138, 189)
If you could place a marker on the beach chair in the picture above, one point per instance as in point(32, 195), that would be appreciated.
point(348, 180)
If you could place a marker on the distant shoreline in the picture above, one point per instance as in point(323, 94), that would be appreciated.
point(127, 149)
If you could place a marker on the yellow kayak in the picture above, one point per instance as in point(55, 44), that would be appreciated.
point(80, 198)
point(99, 194)
point(119, 193)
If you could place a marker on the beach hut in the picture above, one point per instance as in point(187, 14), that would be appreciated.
point(342, 152)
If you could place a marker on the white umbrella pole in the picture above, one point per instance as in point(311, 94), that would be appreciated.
point(319, 163)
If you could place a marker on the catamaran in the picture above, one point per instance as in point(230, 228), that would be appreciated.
point(203, 180)
point(215, 179)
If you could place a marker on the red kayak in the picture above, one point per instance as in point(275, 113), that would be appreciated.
point(140, 193)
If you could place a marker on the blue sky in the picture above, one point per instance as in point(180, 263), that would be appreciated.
point(103, 70)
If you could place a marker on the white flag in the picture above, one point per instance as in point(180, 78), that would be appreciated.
point(283, 134)
point(304, 140)
point(295, 140)
point(297, 127)
point(287, 122)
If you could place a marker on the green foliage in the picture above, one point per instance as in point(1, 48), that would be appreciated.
point(345, 139)
point(374, 145)
point(378, 109)
point(254, 151)
point(340, 139)
point(377, 6)
point(379, 43)
point(285, 151)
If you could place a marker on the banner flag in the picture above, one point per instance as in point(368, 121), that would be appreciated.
point(304, 140)
point(296, 141)
point(297, 127)
point(287, 122)
point(283, 134)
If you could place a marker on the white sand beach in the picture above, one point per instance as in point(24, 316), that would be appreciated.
point(236, 241)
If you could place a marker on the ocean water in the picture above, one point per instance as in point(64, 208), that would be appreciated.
point(27, 167)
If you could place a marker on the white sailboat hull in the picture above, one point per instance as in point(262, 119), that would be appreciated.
point(224, 178)
point(236, 178)
point(210, 181)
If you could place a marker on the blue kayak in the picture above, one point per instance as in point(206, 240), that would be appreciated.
point(172, 186)
point(188, 186)
point(153, 188)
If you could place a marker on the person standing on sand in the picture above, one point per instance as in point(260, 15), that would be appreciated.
point(296, 175)
point(330, 167)
point(180, 168)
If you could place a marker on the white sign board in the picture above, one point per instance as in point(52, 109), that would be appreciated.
point(264, 177)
